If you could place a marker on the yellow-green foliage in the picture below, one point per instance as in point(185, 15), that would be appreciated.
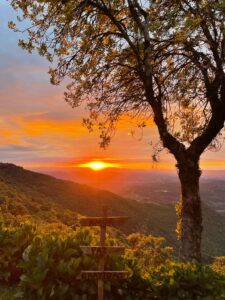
point(176, 281)
point(44, 262)
point(13, 242)
point(8, 293)
point(51, 264)
point(219, 265)
point(149, 251)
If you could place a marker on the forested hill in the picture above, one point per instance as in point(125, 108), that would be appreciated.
point(46, 198)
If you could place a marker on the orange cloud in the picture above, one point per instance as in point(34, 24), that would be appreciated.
point(43, 127)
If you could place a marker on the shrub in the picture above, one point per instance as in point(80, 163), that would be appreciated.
point(177, 281)
point(51, 264)
point(149, 251)
point(48, 259)
point(53, 261)
point(8, 292)
point(219, 265)
point(13, 242)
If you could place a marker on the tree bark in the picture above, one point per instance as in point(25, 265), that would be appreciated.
point(190, 213)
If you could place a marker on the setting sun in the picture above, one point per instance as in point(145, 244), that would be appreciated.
point(98, 165)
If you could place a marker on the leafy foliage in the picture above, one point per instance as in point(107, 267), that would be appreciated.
point(148, 251)
point(133, 57)
point(47, 261)
point(8, 292)
point(13, 242)
point(186, 281)
point(219, 265)
point(51, 264)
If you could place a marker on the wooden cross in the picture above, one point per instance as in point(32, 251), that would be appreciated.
point(102, 251)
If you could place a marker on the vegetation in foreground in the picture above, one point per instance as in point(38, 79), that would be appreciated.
point(42, 262)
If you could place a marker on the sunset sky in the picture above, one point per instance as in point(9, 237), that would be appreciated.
point(38, 128)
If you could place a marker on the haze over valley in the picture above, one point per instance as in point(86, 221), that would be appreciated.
point(157, 187)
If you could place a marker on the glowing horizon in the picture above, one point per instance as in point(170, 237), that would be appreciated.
point(102, 164)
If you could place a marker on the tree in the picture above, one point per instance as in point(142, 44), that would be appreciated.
point(161, 59)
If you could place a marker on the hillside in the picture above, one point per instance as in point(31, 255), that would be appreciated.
point(46, 198)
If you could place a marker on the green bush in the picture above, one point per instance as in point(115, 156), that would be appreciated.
point(8, 292)
point(148, 251)
point(219, 265)
point(52, 263)
point(46, 262)
point(177, 281)
point(13, 242)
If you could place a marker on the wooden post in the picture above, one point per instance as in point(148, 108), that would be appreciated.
point(102, 251)
point(101, 266)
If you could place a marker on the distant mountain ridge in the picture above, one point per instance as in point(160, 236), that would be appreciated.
point(153, 186)
point(46, 198)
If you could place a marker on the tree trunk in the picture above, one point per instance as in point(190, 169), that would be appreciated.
point(190, 213)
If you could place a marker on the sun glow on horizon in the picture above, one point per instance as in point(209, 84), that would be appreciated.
point(98, 165)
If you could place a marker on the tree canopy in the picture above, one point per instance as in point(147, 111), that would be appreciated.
point(122, 56)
